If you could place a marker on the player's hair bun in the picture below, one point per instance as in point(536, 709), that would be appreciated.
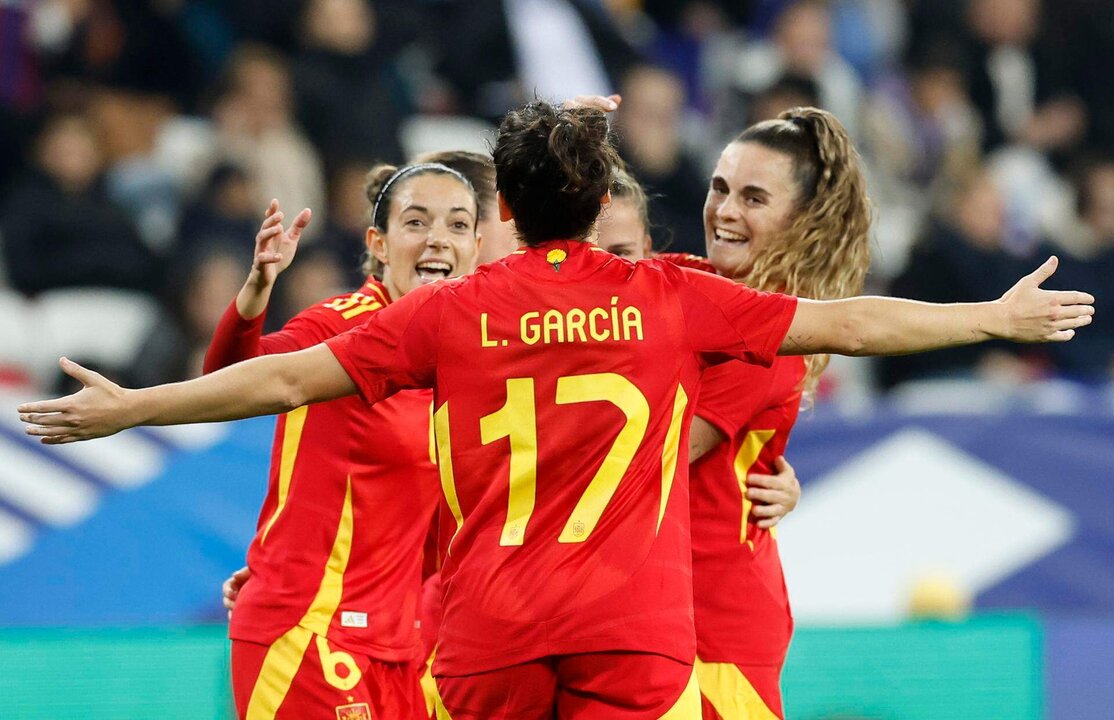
point(553, 165)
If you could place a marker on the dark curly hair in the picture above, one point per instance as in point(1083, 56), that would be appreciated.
point(552, 166)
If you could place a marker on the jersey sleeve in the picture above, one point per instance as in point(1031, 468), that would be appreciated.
point(728, 320)
point(687, 260)
point(396, 349)
point(237, 339)
point(732, 393)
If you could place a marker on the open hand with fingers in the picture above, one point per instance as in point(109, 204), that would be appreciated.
point(774, 496)
point(1034, 315)
point(97, 410)
point(275, 245)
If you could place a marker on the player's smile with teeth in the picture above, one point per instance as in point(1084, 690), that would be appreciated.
point(729, 236)
point(431, 270)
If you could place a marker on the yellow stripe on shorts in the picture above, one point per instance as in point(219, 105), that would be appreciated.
point(277, 674)
point(687, 706)
point(434, 705)
point(730, 693)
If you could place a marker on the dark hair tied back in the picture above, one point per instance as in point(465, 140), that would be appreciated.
point(553, 165)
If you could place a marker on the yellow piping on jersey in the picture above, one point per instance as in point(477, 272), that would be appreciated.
point(744, 460)
point(445, 467)
point(670, 450)
point(284, 657)
point(291, 439)
point(379, 293)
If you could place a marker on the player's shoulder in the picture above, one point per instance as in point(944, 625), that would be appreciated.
point(347, 309)
point(687, 260)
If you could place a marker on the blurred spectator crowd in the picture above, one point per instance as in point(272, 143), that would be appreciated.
point(141, 140)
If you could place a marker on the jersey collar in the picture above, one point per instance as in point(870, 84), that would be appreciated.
point(373, 288)
point(558, 260)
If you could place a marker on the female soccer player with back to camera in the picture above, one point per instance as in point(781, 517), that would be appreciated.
point(561, 378)
point(326, 625)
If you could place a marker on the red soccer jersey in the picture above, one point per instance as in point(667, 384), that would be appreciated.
point(742, 608)
point(562, 376)
point(351, 491)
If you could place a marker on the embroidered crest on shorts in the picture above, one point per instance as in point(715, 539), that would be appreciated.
point(356, 711)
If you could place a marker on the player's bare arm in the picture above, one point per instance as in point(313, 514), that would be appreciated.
point(703, 438)
point(891, 326)
point(262, 386)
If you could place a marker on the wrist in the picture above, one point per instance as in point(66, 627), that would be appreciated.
point(994, 322)
point(253, 297)
point(131, 406)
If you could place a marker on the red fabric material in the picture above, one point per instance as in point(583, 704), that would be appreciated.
point(384, 451)
point(385, 690)
point(688, 260)
point(742, 607)
point(594, 686)
point(548, 318)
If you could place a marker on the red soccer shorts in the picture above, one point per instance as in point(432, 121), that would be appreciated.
point(592, 686)
point(740, 692)
point(300, 676)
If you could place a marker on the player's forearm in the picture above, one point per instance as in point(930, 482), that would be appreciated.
point(262, 386)
point(254, 296)
point(890, 326)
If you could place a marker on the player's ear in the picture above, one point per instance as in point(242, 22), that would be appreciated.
point(605, 199)
point(505, 214)
point(376, 243)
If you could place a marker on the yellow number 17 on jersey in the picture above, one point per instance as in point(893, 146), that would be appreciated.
point(516, 421)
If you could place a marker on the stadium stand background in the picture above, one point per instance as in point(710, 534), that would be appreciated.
point(141, 141)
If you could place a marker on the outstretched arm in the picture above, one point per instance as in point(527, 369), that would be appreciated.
point(891, 326)
point(263, 386)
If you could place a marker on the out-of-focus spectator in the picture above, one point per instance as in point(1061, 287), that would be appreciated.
point(789, 91)
point(197, 294)
point(1090, 355)
point(129, 124)
point(59, 228)
point(961, 258)
point(225, 216)
point(348, 222)
point(137, 46)
point(21, 88)
point(802, 45)
point(921, 127)
point(496, 55)
point(255, 122)
point(1019, 85)
point(675, 16)
point(922, 135)
point(349, 100)
point(316, 275)
point(649, 126)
